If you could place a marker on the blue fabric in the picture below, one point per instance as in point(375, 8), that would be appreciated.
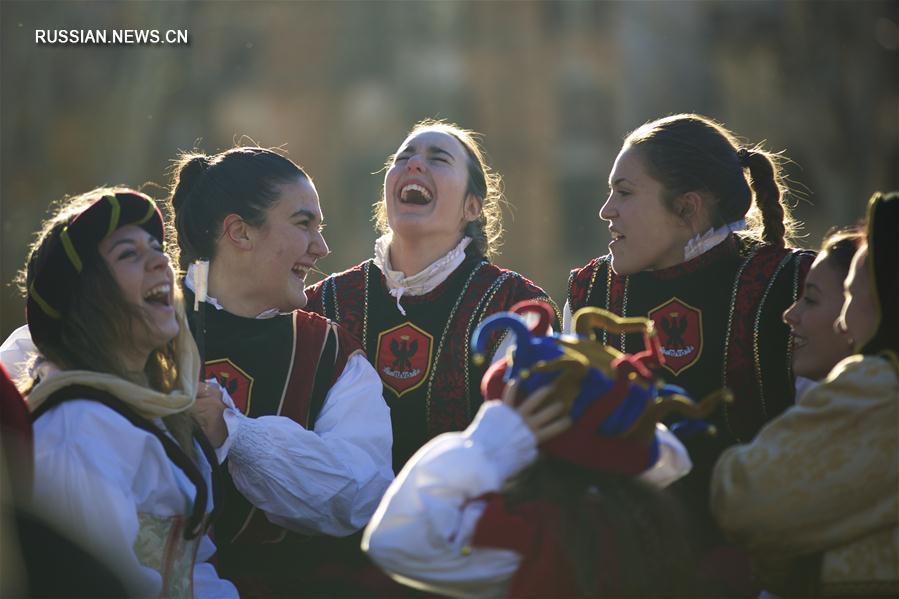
point(627, 413)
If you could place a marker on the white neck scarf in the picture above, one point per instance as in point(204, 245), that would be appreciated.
point(420, 283)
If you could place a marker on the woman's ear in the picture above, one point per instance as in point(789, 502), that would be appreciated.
point(236, 232)
point(690, 207)
point(471, 210)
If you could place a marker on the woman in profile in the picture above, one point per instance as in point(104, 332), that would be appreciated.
point(700, 233)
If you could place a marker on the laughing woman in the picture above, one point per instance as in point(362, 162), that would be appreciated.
point(416, 303)
point(308, 437)
point(817, 345)
point(119, 461)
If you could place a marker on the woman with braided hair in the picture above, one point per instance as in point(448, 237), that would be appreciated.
point(682, 191)
point(118, 460)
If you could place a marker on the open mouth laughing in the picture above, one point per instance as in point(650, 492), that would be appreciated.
point(159, 296)
point(415, 193)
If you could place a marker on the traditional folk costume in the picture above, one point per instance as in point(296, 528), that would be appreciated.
point(719, 320)
point(113, 478)
point(815, 496)
point(445, 526)
point(416, 330)
point(106, 469)
point(308, 443)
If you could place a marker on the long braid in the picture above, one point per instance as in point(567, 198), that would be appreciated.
point(768, 192)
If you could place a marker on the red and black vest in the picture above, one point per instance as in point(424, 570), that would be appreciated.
point(281, 366)
point(719, 318)
point(424, 357)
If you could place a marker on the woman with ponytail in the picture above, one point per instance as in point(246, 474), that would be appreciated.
point(813, 497)
point(119, 462)
point(699, 233)
point(308, 434)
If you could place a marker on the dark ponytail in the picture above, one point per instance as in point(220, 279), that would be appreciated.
point(193, 240)
point(205, 189)
point(690, 152)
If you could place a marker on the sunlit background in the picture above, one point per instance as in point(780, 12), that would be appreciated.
point(553, 86)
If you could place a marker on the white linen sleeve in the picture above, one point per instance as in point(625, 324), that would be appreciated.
point(85, 484)
point(673, 463)
point(327, 480)
point(421, 532)
point(16, 351)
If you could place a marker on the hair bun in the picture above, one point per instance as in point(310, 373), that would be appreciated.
point(189, 169)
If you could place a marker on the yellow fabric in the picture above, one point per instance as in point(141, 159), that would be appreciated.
point(161, 546)
point(145, 401)
point(822, 478)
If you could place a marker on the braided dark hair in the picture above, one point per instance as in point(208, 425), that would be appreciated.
point(690, 152)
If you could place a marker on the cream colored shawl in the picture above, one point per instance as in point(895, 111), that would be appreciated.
point(823, 478)
point(145, 401)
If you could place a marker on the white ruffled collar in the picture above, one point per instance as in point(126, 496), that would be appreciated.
point(703, 242)
point(422, 282)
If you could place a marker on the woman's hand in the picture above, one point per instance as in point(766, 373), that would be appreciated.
point(545, 418)
point(209, 412)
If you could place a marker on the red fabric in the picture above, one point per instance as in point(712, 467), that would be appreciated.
point(742, 375)
point(582, 444)
point(579, 283)
point(492, 384)
point(312, 330)
point(531, 530)
point(17, 435)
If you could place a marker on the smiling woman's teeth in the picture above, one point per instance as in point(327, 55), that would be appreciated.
point(159, 294)
point(414, 192)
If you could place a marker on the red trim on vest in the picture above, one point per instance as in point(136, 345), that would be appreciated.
point(309, 340)
point(747, 417)
point(580, 283)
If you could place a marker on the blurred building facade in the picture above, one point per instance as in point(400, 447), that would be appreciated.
point(553, 86)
